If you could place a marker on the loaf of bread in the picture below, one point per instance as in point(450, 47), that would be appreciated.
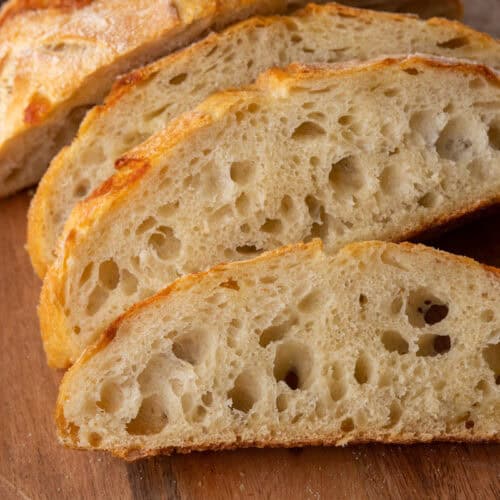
point(155, 94)
point(379, 150)
point(58, 58)
point(381, 342)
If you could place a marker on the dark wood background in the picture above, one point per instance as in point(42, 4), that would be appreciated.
point(33, 465)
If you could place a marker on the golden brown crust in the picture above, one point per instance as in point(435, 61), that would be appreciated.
point(186, 282)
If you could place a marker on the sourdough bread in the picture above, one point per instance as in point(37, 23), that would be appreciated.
point(349, 152)
point(381, 342)
point(155, 94)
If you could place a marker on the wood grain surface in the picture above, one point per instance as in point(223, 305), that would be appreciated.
point(33, 465)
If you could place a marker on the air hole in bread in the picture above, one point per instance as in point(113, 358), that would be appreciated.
point(150, 418)
point(109, 274)
point(396, 305)
point(267, 280)
point(391, 92)
point(483, 386)
point(387, 257)
point(345, 120)
point(242, 204)
point(435, 313)
point(97, 298)
point(316, 116)
point(207, 398)
point(164, 243)
point(428, 200)
point(494, 135)
point(86, 274)
point(178, 79)
point(81, 189)
point(242, 172)
point(390, 179)
point(145, 225)
point(231, 284)
point(190, 347)
point(272, 226)
point(347, 425)
point(338, 389)
point(292, 364)
point(245, 392)
point(311, 302)
point(363, 369)
point(313, 207)
point(432, 345)
point(363, 299)
point(94, 439)
point(307, 131)
point(224, 212)
point(277, 331)
point(345, 176)
point(395, 413)
point(314, 161)
point(491, 354)
point(394, 342)
point(411, 71)
point(282, 403)
point(156, 112)
point(469, 424)
point(487, 315)
point(111, 397)
point(320, 228)
point(247, 250)
point(287, 207)
point(423, 308)
point(167, 210)
point(454, 43)
point(453, 143)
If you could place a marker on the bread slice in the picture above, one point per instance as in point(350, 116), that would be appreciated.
point(58, 58)
point(155, 94)
point(381, 342)
point(378, 150)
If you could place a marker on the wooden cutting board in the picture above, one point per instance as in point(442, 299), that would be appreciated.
point(33, 465)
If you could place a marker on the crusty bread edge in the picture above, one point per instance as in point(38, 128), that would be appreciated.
point(39, 210)
point(135, 165)
point(186, 282)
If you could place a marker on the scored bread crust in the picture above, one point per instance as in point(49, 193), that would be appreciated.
point(134, 166)
point(43, 229)
point(306, 251)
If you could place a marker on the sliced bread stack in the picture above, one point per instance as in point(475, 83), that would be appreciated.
point(379, 150)
point(157, 93)
point(58, 58)
point(300, 345)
